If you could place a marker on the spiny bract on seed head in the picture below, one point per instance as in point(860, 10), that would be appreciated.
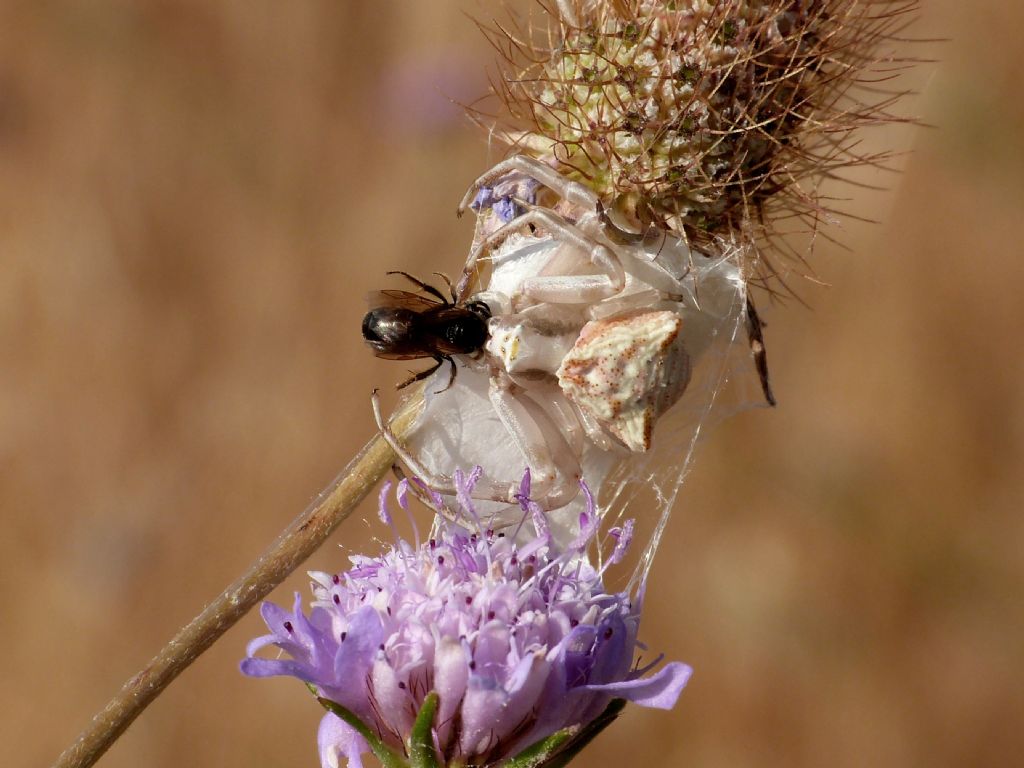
point(711, 119)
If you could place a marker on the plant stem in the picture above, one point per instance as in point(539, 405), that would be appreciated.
point(301, 539)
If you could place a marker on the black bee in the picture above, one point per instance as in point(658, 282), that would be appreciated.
point(407, 326)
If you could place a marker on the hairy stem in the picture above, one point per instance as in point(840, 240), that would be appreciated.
point(300, 540)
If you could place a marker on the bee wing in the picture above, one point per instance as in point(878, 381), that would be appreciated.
point(402, 355)
point(414, 302)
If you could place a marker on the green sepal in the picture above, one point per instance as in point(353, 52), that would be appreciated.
point(587, 734)
point(388, 757)
point(537, 753)
point(421, 739)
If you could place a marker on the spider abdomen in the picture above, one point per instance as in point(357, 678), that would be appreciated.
point(626, 371)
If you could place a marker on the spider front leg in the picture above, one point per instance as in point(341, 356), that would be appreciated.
point(530, 167)
point(554, 466)
point(559, 289)
point(441, 483)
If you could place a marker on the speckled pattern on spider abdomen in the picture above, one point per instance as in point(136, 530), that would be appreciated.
point(626, 371)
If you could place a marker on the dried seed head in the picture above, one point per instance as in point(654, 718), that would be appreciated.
point(711, 119)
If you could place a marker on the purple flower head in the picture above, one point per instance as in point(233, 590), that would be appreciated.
point(502, 645)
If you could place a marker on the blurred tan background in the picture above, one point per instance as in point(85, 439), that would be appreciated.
point(195, 195)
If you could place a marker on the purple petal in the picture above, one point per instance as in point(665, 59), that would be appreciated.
point(574, 655)
point(529, 190)
point(660, 691)
point(612, 653)
point(557, 702)
point(623, 538)
point(382, 503)
point(353, 659)
point(524, 489)
point(484, 198)
point(451, 674)
point(311, 638)
point(335, 738)
point(492, 649)
point(364, 635)
point(507, 209)
point(260, 642)
point(589, 521)
point(540, 527)
point(464, 484)
point(524, 688)
point(482, 706)
point(402, 493)
point(393, 704)
point(275, 616)
point(276, 667)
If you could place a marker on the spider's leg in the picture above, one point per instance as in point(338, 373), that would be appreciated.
point(423, 374)
point(615, 233)
point(569, 289)
point(567, 189)
point(439, 483)
point(593, 429)
point(426, 495)
point(423, 286)
point(757, 349)
point(650, 236)
point(575, 289)
point(565, 416)
point(554, 467)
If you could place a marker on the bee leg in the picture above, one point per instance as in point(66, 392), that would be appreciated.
point(423, 286)
point(451, 288)
point(451, 378)
point(423, 374)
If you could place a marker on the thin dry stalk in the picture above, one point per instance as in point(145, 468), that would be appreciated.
point(300, 540)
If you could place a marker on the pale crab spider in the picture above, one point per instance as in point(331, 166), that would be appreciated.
point(592, 336)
